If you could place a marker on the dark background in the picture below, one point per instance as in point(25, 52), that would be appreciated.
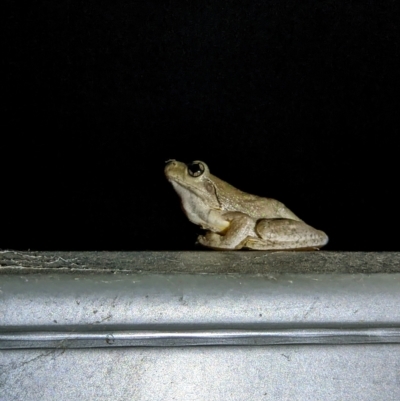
point(295, 100)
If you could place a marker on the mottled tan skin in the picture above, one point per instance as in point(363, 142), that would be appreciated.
point(235, 219)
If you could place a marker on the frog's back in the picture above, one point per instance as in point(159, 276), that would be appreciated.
point(267, 208)
point(257, 207)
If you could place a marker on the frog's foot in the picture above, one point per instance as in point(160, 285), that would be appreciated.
point(210, 240)
point(240, 227)
point(274, 234)
point(259, 244)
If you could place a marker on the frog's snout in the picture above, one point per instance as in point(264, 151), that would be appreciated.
point(176, 171)
point(170, 167)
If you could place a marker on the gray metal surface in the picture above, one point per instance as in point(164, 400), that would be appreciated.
point(287, 373)
point(162, 300)
point(282, 331)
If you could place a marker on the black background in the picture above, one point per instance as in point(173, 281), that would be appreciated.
point(295, 100)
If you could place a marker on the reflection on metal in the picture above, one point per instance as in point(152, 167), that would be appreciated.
point(142, 338)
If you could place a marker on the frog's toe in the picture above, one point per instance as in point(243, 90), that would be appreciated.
point(210, 239)
point(200, 239)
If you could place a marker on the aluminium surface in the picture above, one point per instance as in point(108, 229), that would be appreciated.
point(199, 325)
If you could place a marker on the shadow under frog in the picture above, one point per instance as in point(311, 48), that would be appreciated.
point(235, 219)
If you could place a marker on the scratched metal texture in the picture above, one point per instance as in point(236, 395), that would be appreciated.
point(289, 373)
point(268, 293)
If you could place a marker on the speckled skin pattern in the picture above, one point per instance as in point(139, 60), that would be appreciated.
point(234, 219)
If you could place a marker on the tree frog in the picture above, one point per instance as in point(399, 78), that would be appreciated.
point(234, 219)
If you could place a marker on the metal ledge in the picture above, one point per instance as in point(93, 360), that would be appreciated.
point(138, 307)
point(207, 262)
point(199, 325)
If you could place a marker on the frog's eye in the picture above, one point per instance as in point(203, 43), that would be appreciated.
point(196, 169)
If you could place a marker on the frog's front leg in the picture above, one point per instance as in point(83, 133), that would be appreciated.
point(241, 226)
point(274, 234)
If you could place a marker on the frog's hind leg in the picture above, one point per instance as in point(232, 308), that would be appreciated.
point(240, 228)
point(277, 234)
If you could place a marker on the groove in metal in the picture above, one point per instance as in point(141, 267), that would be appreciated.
point(152, 338)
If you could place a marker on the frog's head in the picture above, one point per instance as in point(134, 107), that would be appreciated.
point(192, 179)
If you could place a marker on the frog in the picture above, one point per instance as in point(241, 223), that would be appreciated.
point(233, 219)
